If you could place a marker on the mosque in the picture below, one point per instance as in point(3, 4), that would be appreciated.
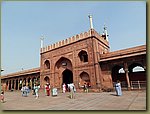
point(84, 58)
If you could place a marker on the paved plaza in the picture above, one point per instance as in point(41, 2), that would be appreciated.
point(130, 100)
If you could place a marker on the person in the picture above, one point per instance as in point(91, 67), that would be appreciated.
point(33, 90)
point(24, 92)
point(64, 88)
point(118, 88)
point(2, 96)
point(45, 89)
point(48, 89)
point(36, 88)
point(72, 90)
point(85, 87)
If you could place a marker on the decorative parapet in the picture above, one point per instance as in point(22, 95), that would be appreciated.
point(73, 39)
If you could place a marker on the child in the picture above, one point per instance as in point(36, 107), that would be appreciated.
point(2, 96)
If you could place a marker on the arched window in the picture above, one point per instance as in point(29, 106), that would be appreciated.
point(47, 80)
point(136, 67)
point(84, 78)
point(83, 56)
point(47, 64)
point(121, 70)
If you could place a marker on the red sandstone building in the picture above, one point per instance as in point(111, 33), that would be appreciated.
point(84, 58)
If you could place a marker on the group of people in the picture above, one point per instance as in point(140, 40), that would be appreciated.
point(25, 90)
point(86, 87)
point(69, 87)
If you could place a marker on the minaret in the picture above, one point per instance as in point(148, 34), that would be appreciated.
point(105, 32)
point(42, 41)
point(91, 22)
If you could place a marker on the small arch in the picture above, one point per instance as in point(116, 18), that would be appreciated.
point(135, 67)
point(47, 64)
point(121, 70)
point(115, 72)
point(47, 80)
point(84, 78)
point(138, 69)
point(83, 56)
point(137, 72)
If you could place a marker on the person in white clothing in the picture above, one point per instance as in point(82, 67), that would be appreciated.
point(118, 88)
point(64, 88)
point(72, 90)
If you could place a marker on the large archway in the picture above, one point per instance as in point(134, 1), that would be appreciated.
point(67, 76)
point(118, 73)
point(63, 72)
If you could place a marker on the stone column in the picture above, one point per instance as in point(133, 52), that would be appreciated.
point(27, 81)
point(11, 84)
point(31, 83)
point(7, 86)
point(18, 84)
point(127, 76)
point(15, 84)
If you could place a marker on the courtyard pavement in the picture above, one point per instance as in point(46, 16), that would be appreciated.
point(130, 100)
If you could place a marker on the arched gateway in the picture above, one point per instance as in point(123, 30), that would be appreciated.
point(63, 71)
point(67, 77)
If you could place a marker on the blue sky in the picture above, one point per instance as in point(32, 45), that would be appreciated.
point(23, 23)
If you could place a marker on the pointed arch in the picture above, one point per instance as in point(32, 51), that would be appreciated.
point(83, 56)
point(47, 80)
point(84, 78)
point(132, 67)
point(67, 76)
point(63, 62)
point(47, 64)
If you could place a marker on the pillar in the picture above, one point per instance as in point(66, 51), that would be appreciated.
point(127, 76)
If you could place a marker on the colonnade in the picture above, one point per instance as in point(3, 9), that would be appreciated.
point(17, 83)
